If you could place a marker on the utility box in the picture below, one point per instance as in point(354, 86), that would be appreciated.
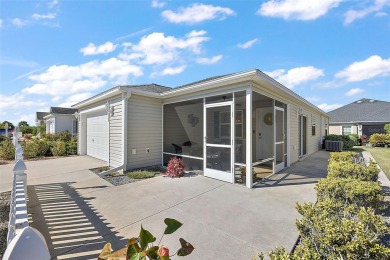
point(334, 146)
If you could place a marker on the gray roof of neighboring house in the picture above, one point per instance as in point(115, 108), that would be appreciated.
point(154, 88)
point(363, 110)
point(62, 110)
point(40, 115)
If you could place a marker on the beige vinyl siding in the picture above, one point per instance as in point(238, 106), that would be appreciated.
point(294, 134)
point(144, 131)
point(335, 129)
point(116, 143)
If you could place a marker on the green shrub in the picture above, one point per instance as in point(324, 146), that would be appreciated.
point(380, 139)
point(43, 147)
point(353, 170)
point(50, 137)
point(354, 138)
point(348, 144)
point(329, 230)
point(350, 191)
point(343, 156)
point(7, 150)
point(64, 136)
point(71, 147)
point(387, 129)
point(30, 149)
point(58, 148)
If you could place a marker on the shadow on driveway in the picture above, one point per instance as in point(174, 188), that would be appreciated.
point(69, 222)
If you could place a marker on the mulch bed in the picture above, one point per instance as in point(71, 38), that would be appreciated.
point(115, 179)
point(4, 214)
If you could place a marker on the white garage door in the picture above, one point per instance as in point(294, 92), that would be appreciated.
point(97, 136)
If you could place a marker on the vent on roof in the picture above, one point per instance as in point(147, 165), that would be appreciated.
point(359, 101)
point(371, 101)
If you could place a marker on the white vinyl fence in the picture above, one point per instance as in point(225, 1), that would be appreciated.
point(23, 241)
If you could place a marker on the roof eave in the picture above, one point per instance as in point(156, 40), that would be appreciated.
point(238, 77)
point(283, 88)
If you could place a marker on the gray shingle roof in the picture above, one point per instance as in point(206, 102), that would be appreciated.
point(154, 88)
point(363, 110)
point(204, 80)
point(40, 115)
point(62, 110)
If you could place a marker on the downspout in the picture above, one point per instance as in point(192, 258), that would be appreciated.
point(126, 94)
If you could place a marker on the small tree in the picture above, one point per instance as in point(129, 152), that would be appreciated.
point(23, 123)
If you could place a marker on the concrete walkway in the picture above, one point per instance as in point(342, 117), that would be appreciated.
point(78, 212)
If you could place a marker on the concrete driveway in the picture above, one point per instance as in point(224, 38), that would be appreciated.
point(78, 212)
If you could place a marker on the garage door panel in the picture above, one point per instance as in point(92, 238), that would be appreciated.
point(97, 136)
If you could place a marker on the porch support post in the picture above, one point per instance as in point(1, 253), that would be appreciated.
point(249, 175)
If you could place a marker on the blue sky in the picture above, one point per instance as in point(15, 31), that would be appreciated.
point(57, 53)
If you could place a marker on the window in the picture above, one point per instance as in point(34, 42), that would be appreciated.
point(346, 130)
point(74, 127)
point(313, 129)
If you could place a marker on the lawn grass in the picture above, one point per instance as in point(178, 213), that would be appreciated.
point(144, 173)
point(382, 157)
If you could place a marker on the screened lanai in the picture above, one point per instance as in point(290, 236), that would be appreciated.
point(219, 135)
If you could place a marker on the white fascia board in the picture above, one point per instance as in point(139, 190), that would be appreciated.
point(244, 76)
point(99, 97)
point(48, 116)
point(93, 109)
point(261, 75)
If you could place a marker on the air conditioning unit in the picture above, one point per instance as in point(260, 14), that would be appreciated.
point(333, 146)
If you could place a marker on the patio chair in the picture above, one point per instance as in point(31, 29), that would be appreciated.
point(178, 149)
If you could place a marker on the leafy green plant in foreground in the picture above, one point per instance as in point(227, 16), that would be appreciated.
point(142, 247)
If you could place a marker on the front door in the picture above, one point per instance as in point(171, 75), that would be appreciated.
point(218, 132)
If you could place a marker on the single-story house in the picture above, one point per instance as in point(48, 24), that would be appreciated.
point(362, 117)
point(39, 118)
point(61, 119)
point(219, 126)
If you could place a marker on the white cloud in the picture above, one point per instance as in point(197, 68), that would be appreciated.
point(247, 44)
point(157, 4)
point(313, 99)
point(91, 49)
point(354, 91)
point(329, 107)
point(56, 99)
point(19, 22)
point(30, 118)
point(173, 70)
point(381, 14)
point(49, 16)
point(156, 48)
point(297, 9)
point(367, 69)
point(52, 4)
point(1, 23)
point(71, 100)
point(64, 79)
point(211, 60)
point(352, 15)
point(296, 76)
point(197, 13)
point(18, 101)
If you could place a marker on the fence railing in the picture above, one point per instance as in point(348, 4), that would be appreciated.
point(23, 241)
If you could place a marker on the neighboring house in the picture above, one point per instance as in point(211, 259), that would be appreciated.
point(219, 126)
point(61, 119)
point(362, 117)
point(39, 118)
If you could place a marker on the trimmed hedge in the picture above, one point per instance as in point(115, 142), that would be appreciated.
point(348, 169)
point(347, 141)
point(7, 150)
point(344, 156)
